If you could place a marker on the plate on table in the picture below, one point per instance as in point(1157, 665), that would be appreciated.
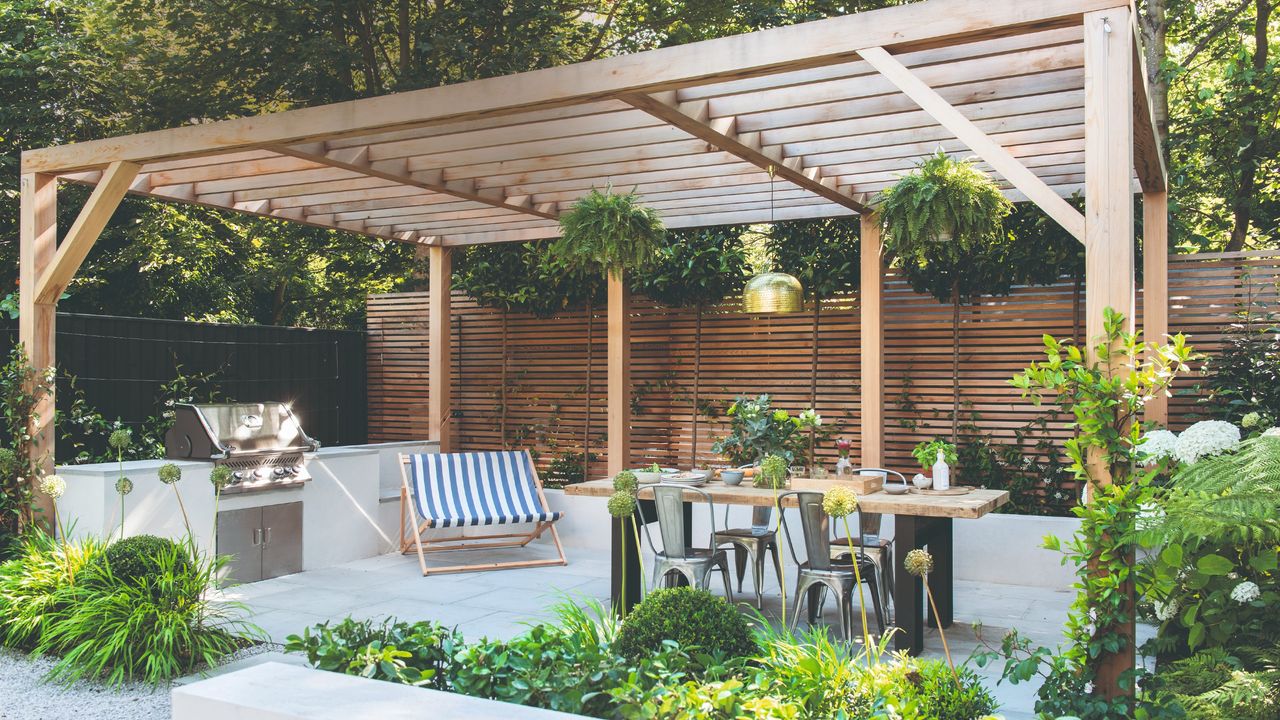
point(692, 479)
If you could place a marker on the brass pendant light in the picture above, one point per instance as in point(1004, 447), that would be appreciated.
point(773, 292)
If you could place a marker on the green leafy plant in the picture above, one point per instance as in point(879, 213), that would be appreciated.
point(1105, 398)
point(1244, 376)
point(609, 232)
point(150, 629)
point(942, 200)
point(31, 583)
point(757, 430)
point(23, 389)
point(773, 473)
point(419, 653)
point(694, 619)
point(926, 453)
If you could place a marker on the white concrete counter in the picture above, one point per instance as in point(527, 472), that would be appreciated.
point(342, 518)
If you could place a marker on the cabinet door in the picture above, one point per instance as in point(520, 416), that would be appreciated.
point(240, 537)
point(281, 539)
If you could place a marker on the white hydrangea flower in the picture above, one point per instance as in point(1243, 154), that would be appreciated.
point(1273, 432)
point(1205, 438)
point(1250, 420)
point(1157, 445)
point(1245, 592)
point(1165, 611)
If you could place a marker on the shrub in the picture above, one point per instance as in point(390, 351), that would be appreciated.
point(694, 619)
point(151, 628)
point(929, 687)
point(138, 557)
point(419, 653)
point(30, 584)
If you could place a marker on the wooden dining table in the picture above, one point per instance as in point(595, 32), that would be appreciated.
point(922, 520)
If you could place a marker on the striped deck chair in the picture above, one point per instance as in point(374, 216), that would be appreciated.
point(455, 490)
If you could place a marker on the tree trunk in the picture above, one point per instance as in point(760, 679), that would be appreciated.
point(277, 303)
point(406, 49)
point(697, 384)
point(586, 423)
point(1155, 24)
point(502, 389)
point(955, 363)
point(813, 379)
point(1242, 204)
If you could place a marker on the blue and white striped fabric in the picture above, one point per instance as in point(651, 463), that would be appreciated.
point(479, 488)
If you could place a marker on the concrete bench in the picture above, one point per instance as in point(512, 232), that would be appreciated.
point(275, 691)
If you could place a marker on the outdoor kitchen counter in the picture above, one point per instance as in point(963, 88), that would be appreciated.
point(919, 521)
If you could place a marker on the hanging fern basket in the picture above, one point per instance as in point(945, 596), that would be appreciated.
point(944, 200)
point(609, 232)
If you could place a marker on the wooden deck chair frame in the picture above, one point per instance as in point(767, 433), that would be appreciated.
point(502, 540)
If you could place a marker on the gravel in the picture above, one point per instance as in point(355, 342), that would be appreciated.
point(25, 696)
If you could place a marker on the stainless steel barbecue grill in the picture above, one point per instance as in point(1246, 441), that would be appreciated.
point(262, 443)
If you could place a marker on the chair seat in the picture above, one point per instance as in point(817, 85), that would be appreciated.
point(865, 565)
point(844, 542)
point(478, 519)
point(695, 554)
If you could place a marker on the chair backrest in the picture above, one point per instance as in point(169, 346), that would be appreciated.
point(814, 526)
point(869, 523)
point(475, 488)
point(669, 500)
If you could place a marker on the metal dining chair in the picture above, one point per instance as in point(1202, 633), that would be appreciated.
point(677, 556)
point(819, 573)
point(872, 544)
point(751, 542)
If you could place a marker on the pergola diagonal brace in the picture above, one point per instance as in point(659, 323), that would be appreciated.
point(356, 160)
point(989, 150)
point(84, 232)
point(720, 133)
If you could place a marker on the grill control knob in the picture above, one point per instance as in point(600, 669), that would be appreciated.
point(279, 472)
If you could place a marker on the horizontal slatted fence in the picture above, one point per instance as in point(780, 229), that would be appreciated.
point(550, 373)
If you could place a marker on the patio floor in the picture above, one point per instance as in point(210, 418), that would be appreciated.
point(501, 604)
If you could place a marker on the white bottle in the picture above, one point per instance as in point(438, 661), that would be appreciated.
point(941, 473)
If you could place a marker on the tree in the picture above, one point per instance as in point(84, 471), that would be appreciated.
point(696, 268)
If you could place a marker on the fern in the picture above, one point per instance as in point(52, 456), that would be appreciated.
point(1231, 498)
point(607, 232)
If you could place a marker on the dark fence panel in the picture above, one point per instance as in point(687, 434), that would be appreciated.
point(122, 363)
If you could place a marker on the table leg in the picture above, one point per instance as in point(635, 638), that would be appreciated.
point(908, 590)
point(625, 562)
point(941, 580)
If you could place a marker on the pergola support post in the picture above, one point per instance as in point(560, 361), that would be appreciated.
point(1109, 238)
point(1155, 285)
point(439, 368)
point(871, 334)
point(38, 243)
point(619, 373)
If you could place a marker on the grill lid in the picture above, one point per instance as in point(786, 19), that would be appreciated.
point(220, 430)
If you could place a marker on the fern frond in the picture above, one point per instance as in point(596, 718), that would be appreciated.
point(1233, 497)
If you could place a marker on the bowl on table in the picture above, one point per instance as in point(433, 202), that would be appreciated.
point(647, 475)
point(692, 478)
point(922, 482)
point(896, 488)
point(732, 477)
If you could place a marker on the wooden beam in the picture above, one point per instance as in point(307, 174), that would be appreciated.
point(1155, 285)
point(968, 133)
point(352, 159)
point(38, 240)
point(813, 44)
point(84, 231)
point(692, 118)
point(1147, 152)
point(619, 374)
point(439, 355)
point(1109, 241)
point(871, 340)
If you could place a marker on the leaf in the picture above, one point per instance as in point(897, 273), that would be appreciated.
point(1214, 565)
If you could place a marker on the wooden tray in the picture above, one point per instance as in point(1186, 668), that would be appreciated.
point(859, 484)
point(948, 491)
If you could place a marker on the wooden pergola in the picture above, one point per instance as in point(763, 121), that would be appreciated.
point(1050, 96)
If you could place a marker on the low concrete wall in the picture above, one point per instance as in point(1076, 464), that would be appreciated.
point(996, 548)
point(275, 691)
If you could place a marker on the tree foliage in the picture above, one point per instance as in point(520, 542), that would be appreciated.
point(823, 254)
point(701, 266)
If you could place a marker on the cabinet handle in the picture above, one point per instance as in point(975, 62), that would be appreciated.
point(257, 536)
point(267, 541)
